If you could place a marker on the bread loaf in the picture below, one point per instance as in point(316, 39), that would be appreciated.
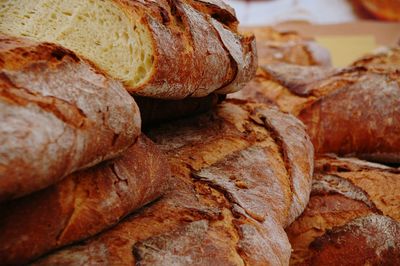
point(58, 114)
point(352, 218)
point(239, 173)
point(382, 9)
point(81, 205)
point(351, 111)
point(288, 47)
point(161, 49)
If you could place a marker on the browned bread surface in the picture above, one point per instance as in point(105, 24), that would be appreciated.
point(351, 111)
point(209, 54)
point(240, 173)
point(58, 114)
point(82, 205)
point(368, 240)
point(344, 190)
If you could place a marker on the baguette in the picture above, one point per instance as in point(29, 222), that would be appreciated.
point(240, 173)
point(58, 114)
point(82, 205)
point(353, 203)
point(161, 49)
point(351, 112)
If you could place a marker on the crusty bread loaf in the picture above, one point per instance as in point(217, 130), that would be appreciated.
point(153, 111)
point(239, 173)
point(382, 9)
point(351, 111)
point(288, 47)
point(162, 49)
point(81, 205)
point(337, 227)
point(58, 114)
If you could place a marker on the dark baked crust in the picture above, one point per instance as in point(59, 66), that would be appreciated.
point(82, 205)
point(369, 240)
point(237, 179)
point(58, 114)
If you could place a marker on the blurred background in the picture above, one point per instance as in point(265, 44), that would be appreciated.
point(347, 28)
point(262, 12)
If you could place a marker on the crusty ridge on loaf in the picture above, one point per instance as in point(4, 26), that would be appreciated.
point(344, 191)
point(163, 49)
point(58, 114)
point(240, 173)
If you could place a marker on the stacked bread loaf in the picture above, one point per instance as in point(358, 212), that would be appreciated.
point(353, 216)
point(240, 174)
point(215, 188)
point(350, 111)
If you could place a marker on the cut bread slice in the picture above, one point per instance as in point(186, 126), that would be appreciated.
point(100, 30)
point(162, 49)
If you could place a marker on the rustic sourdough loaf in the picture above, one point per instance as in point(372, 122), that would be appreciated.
point(240, 173)
point(288, 47)
point(351, 111)
point(82, 204)
point(353, 217)
point(58, 114)
point(163, 49)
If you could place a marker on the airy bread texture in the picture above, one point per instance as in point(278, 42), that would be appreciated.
point(161, 49)
point(58, 114)
point(99, 30)
point(83, 204)
point(353, 215)
point(240, 174)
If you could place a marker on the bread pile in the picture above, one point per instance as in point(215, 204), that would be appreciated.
point(353, 216)
point(119, 146)
point(80, 183)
